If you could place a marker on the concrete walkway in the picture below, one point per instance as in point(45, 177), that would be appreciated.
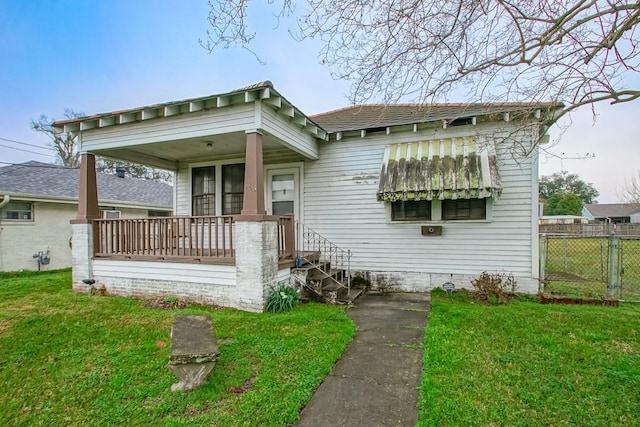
point(375, 382)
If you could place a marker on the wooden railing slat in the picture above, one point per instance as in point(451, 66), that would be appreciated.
point(179, 237)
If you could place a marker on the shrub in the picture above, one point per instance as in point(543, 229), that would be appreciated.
point(281, 298)
point(494, 288)
point(360, 282)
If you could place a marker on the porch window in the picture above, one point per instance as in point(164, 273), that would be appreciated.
point(411, 210)
point(17, 211)
point(232, 188)
point(283, 194)
point(203, 188)
point(462, 209)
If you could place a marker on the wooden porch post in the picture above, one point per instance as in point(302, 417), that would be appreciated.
point(255, 234)
point(253, 199)
point(83, 227)
point(88, 193)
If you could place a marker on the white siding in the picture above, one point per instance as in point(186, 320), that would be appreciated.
point(183, 191)
point(291, 135)
point(340, 203)
point(235, 118)
point(224, 275)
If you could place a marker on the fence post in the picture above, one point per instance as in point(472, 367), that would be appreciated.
point(349, 272)
point(543, 263)
point(612, 263)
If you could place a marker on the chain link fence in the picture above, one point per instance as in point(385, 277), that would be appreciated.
point(590, 266)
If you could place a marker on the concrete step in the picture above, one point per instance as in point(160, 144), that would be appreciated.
point(340, 294)
point(349, 298)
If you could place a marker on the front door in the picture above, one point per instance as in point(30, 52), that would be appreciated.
point(283, 191)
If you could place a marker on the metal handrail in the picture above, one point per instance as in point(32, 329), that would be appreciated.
point(309, 241)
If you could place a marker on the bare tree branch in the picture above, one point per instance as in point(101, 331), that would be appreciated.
point(64, 143)
point(578, 52)
point(631, 190)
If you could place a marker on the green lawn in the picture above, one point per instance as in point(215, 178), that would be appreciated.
point(71, 359)
point(530, 364)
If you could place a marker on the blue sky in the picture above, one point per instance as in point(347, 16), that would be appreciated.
point(98, 56)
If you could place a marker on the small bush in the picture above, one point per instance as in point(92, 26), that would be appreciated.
point(281, 298)
point(494, 288)
point(360, 282)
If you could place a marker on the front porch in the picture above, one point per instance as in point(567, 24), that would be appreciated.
point(238, 160)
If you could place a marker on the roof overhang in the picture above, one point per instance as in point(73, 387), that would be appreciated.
point(200, 129)
point(72, 201)
point(259, 92)
point(441, 116)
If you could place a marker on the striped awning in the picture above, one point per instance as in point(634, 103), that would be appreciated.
point(452, 168)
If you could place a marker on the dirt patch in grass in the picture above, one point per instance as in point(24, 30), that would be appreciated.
point(544, 299)
point(174, 303)
point(245, 386)
point(5, 324)
point(167, 303)
point(623, 347)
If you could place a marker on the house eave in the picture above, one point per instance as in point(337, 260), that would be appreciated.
point(74, 200)
point(505, 112)
point(263, 92)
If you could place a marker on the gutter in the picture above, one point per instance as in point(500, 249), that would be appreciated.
point(5, 201)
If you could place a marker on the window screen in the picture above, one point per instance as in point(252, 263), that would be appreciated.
point(462, 209)
point(203, 190)
point(232, 188)
point(411, 210)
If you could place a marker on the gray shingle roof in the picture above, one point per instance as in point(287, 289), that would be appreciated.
point(378, 115)
point(45, 180)
point(610, 210)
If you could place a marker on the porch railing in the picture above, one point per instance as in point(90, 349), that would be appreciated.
point(207, 238)
point(180, 238)
point(286, 237)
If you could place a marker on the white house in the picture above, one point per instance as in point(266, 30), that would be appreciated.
point(37, 201)
point(412, 195)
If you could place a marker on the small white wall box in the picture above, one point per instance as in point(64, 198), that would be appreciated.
point(431, 230)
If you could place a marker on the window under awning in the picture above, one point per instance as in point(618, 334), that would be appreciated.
point(452, 168)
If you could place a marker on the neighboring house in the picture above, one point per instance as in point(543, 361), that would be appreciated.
point(416, 195)
point(37, 201)
point(614, 213)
